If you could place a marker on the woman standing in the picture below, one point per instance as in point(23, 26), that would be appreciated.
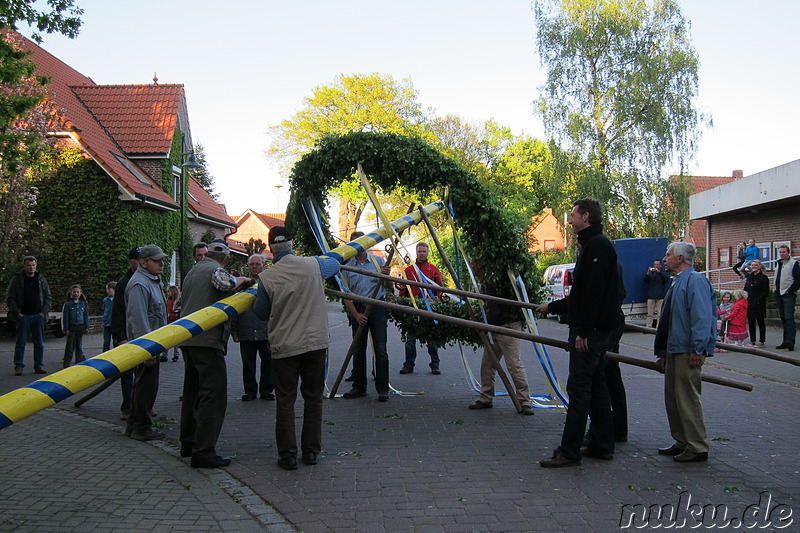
point(757, 288)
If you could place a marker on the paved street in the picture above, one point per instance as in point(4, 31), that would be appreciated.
point(421, 462)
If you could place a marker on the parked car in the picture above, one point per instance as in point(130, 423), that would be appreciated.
point(557, 282)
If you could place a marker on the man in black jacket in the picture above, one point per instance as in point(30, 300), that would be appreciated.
point(592, 310)
point(119, 333)
point(29, 298)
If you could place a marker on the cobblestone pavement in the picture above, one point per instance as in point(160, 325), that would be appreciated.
point(421, 462)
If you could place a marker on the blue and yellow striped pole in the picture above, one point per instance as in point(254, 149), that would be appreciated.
point(26, 401)
point(347, 251)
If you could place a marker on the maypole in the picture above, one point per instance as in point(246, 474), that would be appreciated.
point(26, 401)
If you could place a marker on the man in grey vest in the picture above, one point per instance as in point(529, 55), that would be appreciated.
point(787, 281)
point(205, 381)
point(291, 296)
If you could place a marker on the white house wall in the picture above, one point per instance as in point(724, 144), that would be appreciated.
point(775, 184)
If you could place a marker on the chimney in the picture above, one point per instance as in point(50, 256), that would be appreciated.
point(738, 174)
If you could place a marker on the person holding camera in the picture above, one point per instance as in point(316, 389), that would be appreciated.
point(657, 284)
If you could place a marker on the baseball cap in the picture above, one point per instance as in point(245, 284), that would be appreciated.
point(278, 234)
point(134, 253)
point(151, 251)
point(219, 247)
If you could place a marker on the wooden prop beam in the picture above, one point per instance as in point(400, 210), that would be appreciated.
point(527, 336)
point(457, 292)
point(730, 347)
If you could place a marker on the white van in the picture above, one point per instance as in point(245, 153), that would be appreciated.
point(558, 282)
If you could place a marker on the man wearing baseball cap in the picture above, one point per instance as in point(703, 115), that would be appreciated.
point(291, 296)
point(119, 333)
point(145, 311)
point(205, 381)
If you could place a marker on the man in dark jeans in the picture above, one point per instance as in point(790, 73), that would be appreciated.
point(28, 298)
point(251, 334)
point(787, 281)
point(375, 323)
point(592, 310)
point(119, 333)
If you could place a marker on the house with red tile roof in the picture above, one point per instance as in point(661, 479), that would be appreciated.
point(253, 225)
point(546, 232)
point(130, 141)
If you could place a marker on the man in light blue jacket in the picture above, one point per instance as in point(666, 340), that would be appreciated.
point(686, 335)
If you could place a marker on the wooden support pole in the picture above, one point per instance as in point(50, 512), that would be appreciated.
point(512, 392)
point(457, 292)
point(523, 335)
point(730, 347)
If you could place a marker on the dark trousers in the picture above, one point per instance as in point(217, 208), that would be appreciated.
point(616, 390)
point(762, 329)
point(251, 351)
point(74, 345)
point(126, 384)
point(588, 396)
point(35, 325)
point(309, 369)
point(145, 390)
point(786, 305)
point(106, 338)
point(205, 399)
point(411, 353)
point(376, 327)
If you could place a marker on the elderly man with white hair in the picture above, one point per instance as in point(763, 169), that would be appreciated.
point(251, 334)
point(685, 336)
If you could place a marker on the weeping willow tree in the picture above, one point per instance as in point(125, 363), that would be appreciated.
point(622, 79)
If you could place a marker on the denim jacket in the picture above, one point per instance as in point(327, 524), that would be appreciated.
point(693, 315)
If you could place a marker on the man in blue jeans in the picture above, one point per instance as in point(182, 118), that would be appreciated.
point(375, 323)
point(787, 281)
point(430, 274)
point(29, 300)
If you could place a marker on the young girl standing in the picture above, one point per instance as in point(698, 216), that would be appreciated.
point(725, 308)
point(738, 318)
point(74, 323)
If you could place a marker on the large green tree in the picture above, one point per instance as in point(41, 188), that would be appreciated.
point(26, 114)
point(622, 78)
point(354, 103)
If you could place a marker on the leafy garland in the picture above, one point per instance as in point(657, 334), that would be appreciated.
point(440, 334)
point(392, 161)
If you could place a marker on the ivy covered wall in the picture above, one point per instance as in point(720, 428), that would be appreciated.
point(89, 230)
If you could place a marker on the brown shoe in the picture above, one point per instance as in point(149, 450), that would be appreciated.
point(527, 410)
point(480, 405)
point(558, 460)
point(671, 450)
point(407, 370)
point(691, 457)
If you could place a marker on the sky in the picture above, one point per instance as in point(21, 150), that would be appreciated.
point(248, 65)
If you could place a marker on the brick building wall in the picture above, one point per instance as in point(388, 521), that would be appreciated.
point(766, 226)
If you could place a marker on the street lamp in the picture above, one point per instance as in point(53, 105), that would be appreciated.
point(191, 164)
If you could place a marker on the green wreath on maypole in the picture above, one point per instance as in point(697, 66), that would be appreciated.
point(392, 161)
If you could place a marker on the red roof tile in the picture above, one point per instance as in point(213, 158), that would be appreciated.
point(203, 206)
point(141, 118)
point(88, 131)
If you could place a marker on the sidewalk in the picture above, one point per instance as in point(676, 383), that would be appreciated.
point(421, 462)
